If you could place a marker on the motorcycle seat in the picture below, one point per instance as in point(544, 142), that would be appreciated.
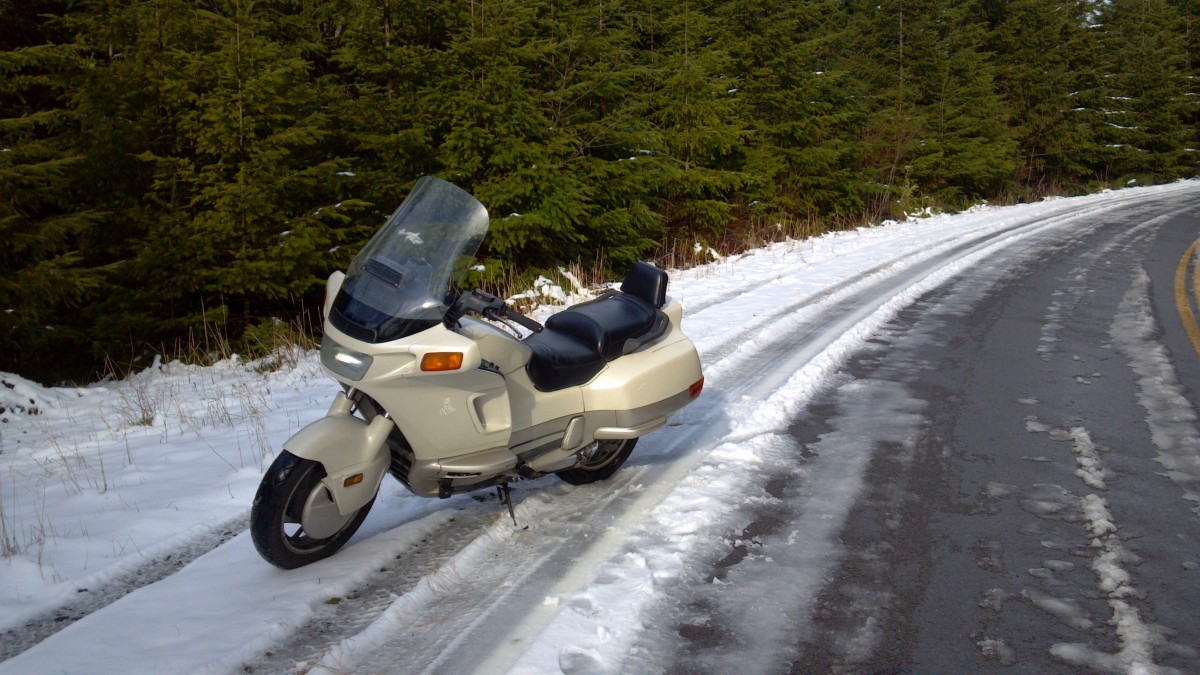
point(560, 360)
point(613, 324)
point(577, 342)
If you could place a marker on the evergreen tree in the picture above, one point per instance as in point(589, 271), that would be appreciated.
point(129, 99)
point(940, 124)
point(392, 60)
point(1189, 14)
point(1146, 108)
point(496, 139)
point(700, 123)
point(807, 107)
point(250, 214)
point(878, 48)
point(967, 153)
point(589, 83)
point(44, 278)
point(530, 113)
point(1046, 54)
point(169, 163)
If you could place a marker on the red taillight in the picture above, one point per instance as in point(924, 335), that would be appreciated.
point(695, 389)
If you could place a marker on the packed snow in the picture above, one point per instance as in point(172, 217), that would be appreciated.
point(1172, 419)
point(99, 483)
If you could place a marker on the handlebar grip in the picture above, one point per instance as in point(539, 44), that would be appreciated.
point(522, 320)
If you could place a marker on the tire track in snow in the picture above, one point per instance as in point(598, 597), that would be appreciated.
point(354, 611)
point(797, 330)
point(694, 427)
point(88, 600)
point(416, 598)
point(1075, 286)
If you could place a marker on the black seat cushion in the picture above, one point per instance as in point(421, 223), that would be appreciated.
point(606, 323)
point(577, 342)
point(560, 360)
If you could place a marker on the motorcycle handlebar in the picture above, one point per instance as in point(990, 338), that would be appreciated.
point(522, 320)
point(492, 307)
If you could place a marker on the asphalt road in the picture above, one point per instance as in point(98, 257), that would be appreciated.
point(1005, 478)
point(1030, 503)
point(981, 553)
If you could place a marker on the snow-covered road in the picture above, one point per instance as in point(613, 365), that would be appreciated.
point(108, 482)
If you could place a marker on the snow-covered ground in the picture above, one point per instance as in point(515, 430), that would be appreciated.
point(146, 483)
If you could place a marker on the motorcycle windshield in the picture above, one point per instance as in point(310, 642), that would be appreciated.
point(399, 283)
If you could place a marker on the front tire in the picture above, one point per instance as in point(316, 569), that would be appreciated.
point(599, 461)
point(294, 520)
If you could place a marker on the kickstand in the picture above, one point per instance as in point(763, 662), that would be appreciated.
point(506, 498)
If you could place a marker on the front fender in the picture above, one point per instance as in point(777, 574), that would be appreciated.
point(346, 446)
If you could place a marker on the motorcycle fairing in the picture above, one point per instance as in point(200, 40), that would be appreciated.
point(470, 404)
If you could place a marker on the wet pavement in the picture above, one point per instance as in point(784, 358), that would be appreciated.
point(1016, 514)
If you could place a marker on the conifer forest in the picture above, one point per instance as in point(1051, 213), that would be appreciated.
point(176, 170)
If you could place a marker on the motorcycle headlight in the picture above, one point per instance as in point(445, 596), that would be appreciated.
point(346, 362)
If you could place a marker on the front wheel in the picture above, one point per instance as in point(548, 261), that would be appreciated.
point(294, 520)
point(598, 461)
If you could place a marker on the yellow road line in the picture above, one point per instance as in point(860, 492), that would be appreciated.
point(1196, 277)
point(1181, 297)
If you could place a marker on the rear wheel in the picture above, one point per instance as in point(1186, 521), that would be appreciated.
point(599, 461)
point(294, 520)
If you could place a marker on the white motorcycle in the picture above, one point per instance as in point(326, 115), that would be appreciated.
point(448, 403)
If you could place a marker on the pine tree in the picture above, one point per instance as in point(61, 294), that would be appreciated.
point(250, 214)
point(878, 48)
point(169, 163)
point(1046, 54)
point(44, 214)
point(806, 107)
point(392, 61)
point(1189, 14)
point(699, 122)
point(597, 176)
point(1145, 103)
point(968, 152)
point(525, 105)
point(940, 125)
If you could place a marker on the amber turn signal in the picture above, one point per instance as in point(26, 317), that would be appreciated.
point(353, 480)
point(435, 361)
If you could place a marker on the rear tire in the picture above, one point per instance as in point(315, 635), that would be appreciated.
point(599, 461)
point(289, 496)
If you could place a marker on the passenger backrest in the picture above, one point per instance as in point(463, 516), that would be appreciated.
point(647, 282)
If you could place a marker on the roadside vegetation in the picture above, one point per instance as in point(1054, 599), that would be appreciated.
point(178, 178)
